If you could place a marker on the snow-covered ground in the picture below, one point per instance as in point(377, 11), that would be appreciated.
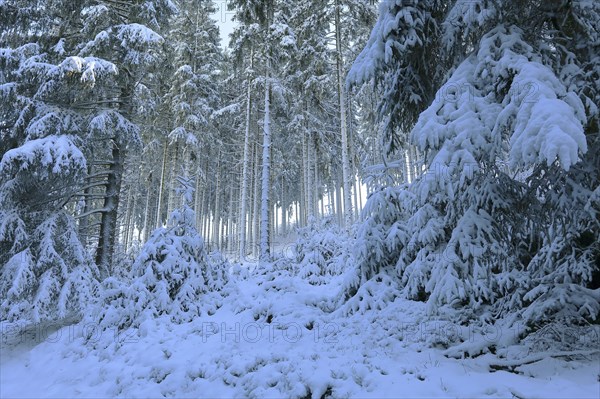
point(272, 339)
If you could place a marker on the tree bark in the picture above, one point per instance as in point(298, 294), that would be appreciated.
point(147, 213)
point(265, 252)
point(255, 211)
point(346, 172)
point(161, 186)
point(215, 240)
point(245, 168)
point(110, 208)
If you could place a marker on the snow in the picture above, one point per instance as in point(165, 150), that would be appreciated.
point(546, 121)
point(465, 14)
point(136, 34)
point(57, 153)
point(271, 339)
point(477, 278)
point(136, 40)
point(90, 68)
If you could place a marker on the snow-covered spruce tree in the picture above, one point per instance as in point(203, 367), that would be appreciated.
point(466, 204)
point(45, 273)
point(127, 35)
point(42, 164)
point(509, 123)
point(565, 271)
point(68, 44)
point(173, 275)
point(193, 93)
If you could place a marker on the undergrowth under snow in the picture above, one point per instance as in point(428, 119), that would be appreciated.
point(273, 337)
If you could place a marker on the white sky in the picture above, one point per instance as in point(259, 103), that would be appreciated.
point(224, 21)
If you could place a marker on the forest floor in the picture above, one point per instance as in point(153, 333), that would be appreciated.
point(271, 339)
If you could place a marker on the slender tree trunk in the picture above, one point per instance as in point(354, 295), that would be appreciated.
point(284, 217)
point(132, 224)
point(275, 221)
point(284, 208)
point(128, 212)
point(332, 204)
point(246, 167)
point(322, 202)
point(346, 172)
point(310, 184)
point(84, 221)
point(360, 200)
point(161, 186)
point(205, 215)
point(198, 193)
point(303, 186)
point(249, 236)
point(172, 199)
point(230, 237)
point(223, 236)
point(339, 206)
point(266, 172)
point(217, 215)
point(200, 211)
point(255, 218)
point(147, 213)
point(355, 191)
point(315, 182)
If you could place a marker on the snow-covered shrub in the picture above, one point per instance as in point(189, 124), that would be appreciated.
point(321, 251)
point(374, 294)
point(560, 337)
point(173, 276)
point(45, 272)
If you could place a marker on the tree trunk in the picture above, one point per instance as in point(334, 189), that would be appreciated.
point(355, 191)
point(147, 213)
point(110, 208)
point(161, 186)
point(245, 168)
point(284, 208)
point(128, 216)
point(284, 216)
point(297, 211)
point(217, 215)
point(330, 193)
point(266, 172)
point(172, 199)
point(315, 182)
point(255, 218)
point(84, 221)
point(346, 172)
point(303, 186)
point(310, 183)
point(197, 200)
point(230, 238)
point(249, 234)
point(338, 203)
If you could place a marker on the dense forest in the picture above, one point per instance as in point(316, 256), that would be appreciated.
point(444, 153)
